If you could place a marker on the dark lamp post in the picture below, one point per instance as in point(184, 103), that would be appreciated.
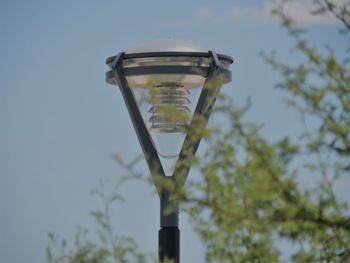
point(165, 83)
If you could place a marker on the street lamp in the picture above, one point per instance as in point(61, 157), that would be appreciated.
point(164, 84)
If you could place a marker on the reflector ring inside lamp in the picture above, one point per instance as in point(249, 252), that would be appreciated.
point(169, 110)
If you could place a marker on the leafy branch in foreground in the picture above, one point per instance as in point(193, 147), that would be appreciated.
point(108, 247)
point(250, 197)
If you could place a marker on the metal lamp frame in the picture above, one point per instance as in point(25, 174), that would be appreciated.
point(169, 234)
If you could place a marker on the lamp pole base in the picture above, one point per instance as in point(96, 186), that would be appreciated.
point(169, 244)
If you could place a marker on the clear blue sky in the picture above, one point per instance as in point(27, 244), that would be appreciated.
point(60, 122)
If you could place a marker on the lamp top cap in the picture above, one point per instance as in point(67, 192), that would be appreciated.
point(167, 45)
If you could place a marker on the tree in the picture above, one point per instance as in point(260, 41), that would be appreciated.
point(250, 198)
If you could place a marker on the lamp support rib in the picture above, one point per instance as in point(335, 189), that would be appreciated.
point(203, 109)
point(142, 133)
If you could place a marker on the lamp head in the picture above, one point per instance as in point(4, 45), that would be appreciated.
point(166, 77)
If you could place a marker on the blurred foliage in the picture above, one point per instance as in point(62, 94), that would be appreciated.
point(250, 198)
point(107, 246)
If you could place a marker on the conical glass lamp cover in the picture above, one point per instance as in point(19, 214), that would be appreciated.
point(167, 109)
